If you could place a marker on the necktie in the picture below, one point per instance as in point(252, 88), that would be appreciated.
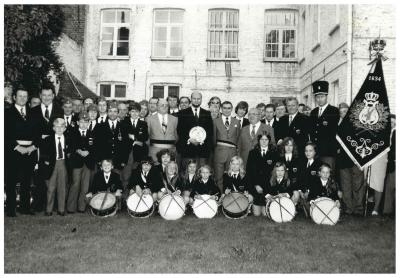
point(269, 123)
point(253, 132)
point(83, 133)
point(68, 123)
point(107, 177)
point(102, 119)
point(290, 119)
point(263, 153)
point(227, 123)
point(195, 114)
point(164, 124)
point(46, 113)
point(320, 112)
point(59, 149)
point(23, 113)
point(308, 164)
point(113, 126)
point(90, 126)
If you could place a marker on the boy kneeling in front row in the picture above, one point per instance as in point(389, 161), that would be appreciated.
point(106, 180)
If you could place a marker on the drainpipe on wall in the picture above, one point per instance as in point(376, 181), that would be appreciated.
point(349, 96)
point(145, 85)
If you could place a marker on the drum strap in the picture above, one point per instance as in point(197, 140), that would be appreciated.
point(205, 201)
point(326, 215)
point(282, 207)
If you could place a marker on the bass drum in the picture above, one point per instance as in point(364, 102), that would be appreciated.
point(280, 209)
point(171, 207)
point(103, 204)
point(235, 205)
point(140, 206)
point(205, 207)
point(324, 211)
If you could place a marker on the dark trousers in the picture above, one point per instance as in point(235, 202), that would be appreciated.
point(20, 169)
point(78, 190)
point(57, 185)
point(353, 187)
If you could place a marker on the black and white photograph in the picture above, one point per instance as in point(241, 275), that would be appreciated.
point(205, 137)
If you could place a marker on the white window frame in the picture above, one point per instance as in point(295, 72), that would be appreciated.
point(281, 29)
point(224, 30)
point(115, 25)
point(316, 13)
point(112, 93)
point(166, 85)
point(168, 25)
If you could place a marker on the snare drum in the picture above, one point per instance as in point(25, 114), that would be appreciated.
point(103, 204)
point(205, 207)
point(235, 205)
point(324, 211)
point(171, 207)
point(140, 206)
point(280, 209)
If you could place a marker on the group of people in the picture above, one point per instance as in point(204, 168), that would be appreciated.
point(72, 149)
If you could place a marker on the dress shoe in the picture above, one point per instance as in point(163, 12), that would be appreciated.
point(48, 213)
point(61, 213)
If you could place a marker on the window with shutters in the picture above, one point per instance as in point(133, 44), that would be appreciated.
point(165, 90)
point(112, 89)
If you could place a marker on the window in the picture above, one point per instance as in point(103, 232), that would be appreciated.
point(114, 34)
point(167, 33)
point(335, 9)
point(280, 34)
point(336, 91)
point(223, 34)
point(165, 90)
point(112, 90)
point(315, 28)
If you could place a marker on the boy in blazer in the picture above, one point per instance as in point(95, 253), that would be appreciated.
point(54, 156)
point(82, 162)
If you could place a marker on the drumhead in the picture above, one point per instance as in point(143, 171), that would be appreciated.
point(140, 206)
point(205, 207)
point(235, 205)
point(281, 209)
point(171, 207)
point(103, 204)
point(324, 211)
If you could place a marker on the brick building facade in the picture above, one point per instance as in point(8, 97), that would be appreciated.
point(257, 53)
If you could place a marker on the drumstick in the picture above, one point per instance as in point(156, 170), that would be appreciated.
point(104, 201)
point(168, 206)
point(204, 201)
point(273, 199)
point(173, 197)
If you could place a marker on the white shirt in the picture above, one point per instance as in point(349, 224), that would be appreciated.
point(49, 107)
point(101, 118)
point(134, 122)
point(204, 181)
point(173, 110)
point(269, 123)
point(240, 121)
point(161, 117)
point(107, 177)
point(323, 182)
point(113, 122)
point(257, 126)
point(235, 174)
point(310, 161)
point(191, 177)
point(81, 130)
point(93, 123)
point(293, 116)
point(198, 111)
point(224, 118)
point(153, 113)
point(19, 107)
point(323, 108)
point(68, 119)
point(279, 180)
point(62, 139)
point(288, 157)
point(265, 150)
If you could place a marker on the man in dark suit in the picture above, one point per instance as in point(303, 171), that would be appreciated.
point(69, 118)
point(21, 142)
point(189, 148)
point(324, 124)
point(295, 125)
point(271, 120)
point(241, 109)
point(113, 140)
point(44, 115)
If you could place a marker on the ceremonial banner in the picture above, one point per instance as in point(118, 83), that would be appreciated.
point(365, 131)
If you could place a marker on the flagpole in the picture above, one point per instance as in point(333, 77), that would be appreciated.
point(366, 191)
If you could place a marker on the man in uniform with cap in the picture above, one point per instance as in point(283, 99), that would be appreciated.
point(323, 124)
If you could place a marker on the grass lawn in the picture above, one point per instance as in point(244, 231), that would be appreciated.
point(39, 244)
